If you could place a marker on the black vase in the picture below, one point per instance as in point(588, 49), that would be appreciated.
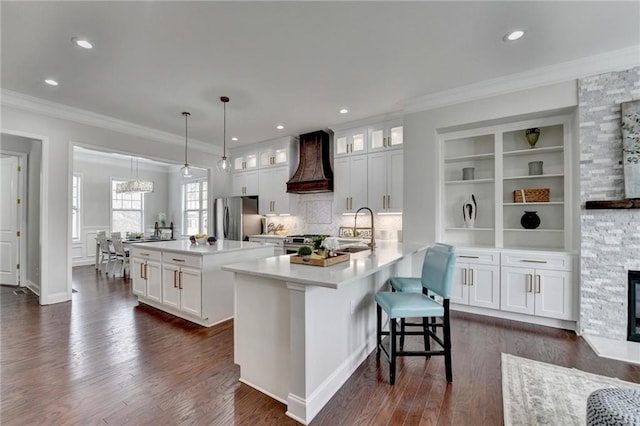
point(530, 220)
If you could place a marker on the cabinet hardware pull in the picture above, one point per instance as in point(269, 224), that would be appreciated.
point(388, 201)
point(346, 203)
point(180, 275)
point(464, 276)
point(533, 261)
point(178, 260)
point(384, 202)
point(141, 273)
point(145, 271)
point(529, 283)
point(175, 278)
point(538, 284)
point(144, 254)
point(471, 277)
point(469, 257)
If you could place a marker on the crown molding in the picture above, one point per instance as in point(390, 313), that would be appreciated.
point(41, 106)
point(390, 116)
point(615, 60)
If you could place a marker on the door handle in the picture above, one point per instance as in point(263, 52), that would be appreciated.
point(180, 275)
point(175, 278)
point(141, 273)
point(529, 283)
point(384, 202)
point(388, 201)
point(464, 276)
point(470, 276)
point(538, 285)
point(145, 272)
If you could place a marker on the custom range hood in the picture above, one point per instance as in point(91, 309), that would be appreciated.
point(314, 169)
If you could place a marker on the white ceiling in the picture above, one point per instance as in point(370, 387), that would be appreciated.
point(295, 63)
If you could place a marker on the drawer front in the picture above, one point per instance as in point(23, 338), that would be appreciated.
point(483, 257)
point(193, 261)
point(146, 254)
point(560, 262)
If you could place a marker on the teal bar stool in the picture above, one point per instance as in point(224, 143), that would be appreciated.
point(437, 276)
point(413, 285)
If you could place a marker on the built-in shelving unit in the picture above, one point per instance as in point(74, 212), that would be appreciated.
point(500, 156)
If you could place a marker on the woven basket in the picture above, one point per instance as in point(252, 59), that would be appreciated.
point(538, 195)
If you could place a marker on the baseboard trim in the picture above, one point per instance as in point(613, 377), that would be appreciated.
point(529, 319)
point(33, 287)
point(264, 391)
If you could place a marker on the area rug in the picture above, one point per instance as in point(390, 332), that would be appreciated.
point(536, 393)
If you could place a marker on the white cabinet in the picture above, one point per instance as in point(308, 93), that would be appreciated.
point(274, 198)
point(278, 152)
point(496, 160)
point(182, 283)
point(476, 280)
point(350, 183)
point(385, 136)
point(146, 272)
point(245, 183)
point(350, 142)
point(538, 284)
point(182, 288)
point(245, 161)
point(385, 181)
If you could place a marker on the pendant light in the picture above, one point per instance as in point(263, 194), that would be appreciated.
point(185, 171)
point(224, 165)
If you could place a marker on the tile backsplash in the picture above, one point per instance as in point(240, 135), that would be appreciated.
point(316, 216)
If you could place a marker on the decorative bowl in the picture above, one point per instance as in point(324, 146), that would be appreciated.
point(201, 241)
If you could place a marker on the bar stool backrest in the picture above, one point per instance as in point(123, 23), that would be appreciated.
point(437, 271)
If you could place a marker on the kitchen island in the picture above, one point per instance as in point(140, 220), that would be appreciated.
point(300, 331)
point(186, 279)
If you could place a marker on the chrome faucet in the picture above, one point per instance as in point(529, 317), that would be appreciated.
point(372, 244)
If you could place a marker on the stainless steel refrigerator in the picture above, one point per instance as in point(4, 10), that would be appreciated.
point(236, 217)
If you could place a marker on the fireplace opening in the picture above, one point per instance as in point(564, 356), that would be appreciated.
point(634, 307)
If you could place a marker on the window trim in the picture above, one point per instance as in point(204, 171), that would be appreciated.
point(204, 206)
point(142, 221)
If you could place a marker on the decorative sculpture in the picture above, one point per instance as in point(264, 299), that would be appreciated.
point(470, 211)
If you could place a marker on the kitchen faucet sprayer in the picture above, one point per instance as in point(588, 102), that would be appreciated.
point(372, 244)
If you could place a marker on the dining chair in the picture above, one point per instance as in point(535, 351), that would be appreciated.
point(433, 302)
point(106, 253)
point(121, 257)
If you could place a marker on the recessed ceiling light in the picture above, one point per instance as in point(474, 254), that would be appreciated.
point(50, 81)
point(279, 127)
point(343, 111)
point(82, 42)
point(513, 35)
point(234, 139)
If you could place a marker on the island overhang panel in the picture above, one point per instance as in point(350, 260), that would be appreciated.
point(301, 331)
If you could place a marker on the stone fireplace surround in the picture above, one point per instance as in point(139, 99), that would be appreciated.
point(610, 239)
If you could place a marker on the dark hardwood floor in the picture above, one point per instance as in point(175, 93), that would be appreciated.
point(104, 359)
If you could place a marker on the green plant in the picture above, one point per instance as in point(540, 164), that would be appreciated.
point(317, 242)
point(305, 251)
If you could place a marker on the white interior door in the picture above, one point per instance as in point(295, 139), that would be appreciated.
point(9, 249)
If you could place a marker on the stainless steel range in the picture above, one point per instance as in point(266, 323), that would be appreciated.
point(293, 242)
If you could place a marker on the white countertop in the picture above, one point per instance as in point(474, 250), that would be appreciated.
point(185, 246)
point(360, 265)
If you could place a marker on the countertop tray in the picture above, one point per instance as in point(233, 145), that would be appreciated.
point(329, 261)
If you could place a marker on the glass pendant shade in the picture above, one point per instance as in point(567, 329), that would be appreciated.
point(224, 165)
point(185, 171)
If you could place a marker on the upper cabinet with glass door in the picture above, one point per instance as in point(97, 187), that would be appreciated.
point(350, 142)
point(278, 152)
point(244, 159)
point(387, 135)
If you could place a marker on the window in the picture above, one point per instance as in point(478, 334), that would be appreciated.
point(126, 210)
point(75, 207)
point(194, 207)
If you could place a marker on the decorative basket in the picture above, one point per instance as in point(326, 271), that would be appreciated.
point(538, 195)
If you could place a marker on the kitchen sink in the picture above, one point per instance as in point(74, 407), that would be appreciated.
point(352, 249)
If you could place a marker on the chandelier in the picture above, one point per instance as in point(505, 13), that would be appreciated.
point(134, 185)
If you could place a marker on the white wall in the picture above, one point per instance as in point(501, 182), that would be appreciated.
point(421, 168)
point(59, 135)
